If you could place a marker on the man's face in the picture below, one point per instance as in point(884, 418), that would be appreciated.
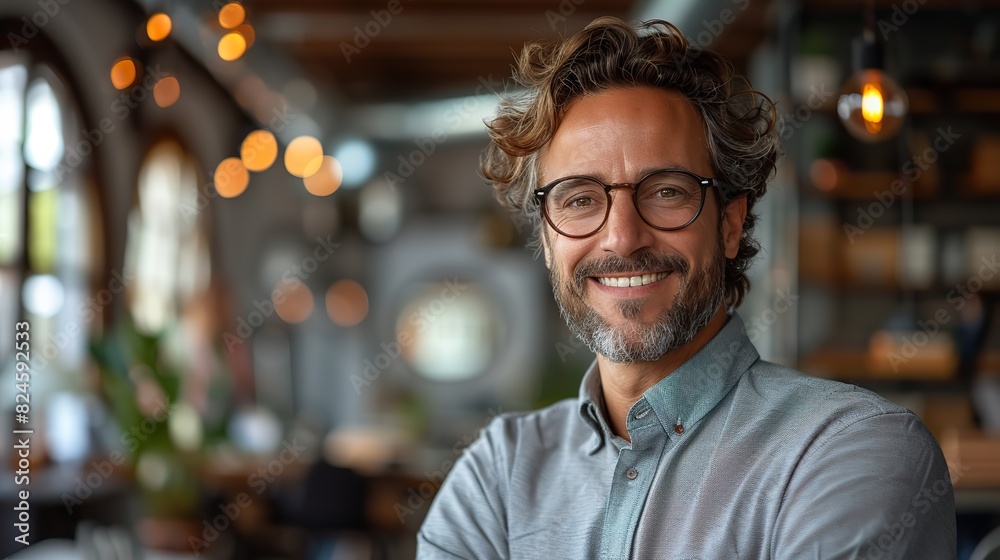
point(618, 136)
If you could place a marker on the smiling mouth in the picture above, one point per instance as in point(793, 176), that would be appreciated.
point(629, 281)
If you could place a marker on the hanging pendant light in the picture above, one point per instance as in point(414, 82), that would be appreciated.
point(872, 106)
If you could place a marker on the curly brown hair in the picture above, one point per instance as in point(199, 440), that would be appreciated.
point(739, 121)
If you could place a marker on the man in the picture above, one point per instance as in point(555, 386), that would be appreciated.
point(642, 158)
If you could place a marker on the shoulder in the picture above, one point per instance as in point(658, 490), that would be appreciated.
point(799, 391)
point(826, 409)
point(547, 427)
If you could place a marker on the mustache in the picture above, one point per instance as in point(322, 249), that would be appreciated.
point(642, 261)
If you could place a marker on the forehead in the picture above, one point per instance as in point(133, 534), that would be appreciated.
point(620, 133)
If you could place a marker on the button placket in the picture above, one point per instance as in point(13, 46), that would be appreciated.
point(630, 491)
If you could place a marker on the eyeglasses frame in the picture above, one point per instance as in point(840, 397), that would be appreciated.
point(725, 191)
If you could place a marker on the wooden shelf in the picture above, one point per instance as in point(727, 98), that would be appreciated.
point(834, 179)
point(856, 365)
point(841, 286)
point(973, 458)
point(989, 361)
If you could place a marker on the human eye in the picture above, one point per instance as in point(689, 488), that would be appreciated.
point(667, 192)
point(577, 194)
point(669, 188)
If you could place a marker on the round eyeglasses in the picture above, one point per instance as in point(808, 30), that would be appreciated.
point(667, 199)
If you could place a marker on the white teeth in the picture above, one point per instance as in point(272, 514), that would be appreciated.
point(627, 281)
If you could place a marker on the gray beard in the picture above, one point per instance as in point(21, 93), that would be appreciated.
point(696, 302)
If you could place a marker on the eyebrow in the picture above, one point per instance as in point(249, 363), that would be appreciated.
point(642, 172)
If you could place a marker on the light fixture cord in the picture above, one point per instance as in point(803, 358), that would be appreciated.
point(869, 31)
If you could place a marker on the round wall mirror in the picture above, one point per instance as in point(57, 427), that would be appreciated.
point(449, 330)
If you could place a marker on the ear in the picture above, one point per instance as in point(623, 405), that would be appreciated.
point(545, 247)
point(732, 225)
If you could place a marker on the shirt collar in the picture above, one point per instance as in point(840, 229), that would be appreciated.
point(592, 407)
point(687, 394)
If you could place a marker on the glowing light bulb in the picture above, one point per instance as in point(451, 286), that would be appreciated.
point(872, 106)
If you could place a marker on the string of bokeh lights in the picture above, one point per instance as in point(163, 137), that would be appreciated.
point(321, 174)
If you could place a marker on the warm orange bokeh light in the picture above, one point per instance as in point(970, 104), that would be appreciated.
point(246, 30)
point(327, 179)
point(823, 173)
point(232, 46)
point(347, 303)
point(167, 91)
point(259, 150)
point(231, 178)
point(123, 73)
point(231, 15)
point(158, 26)
point(292, 300)
point(303, 156)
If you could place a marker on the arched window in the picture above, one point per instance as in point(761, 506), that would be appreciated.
point(167, 251)
point(50, 235)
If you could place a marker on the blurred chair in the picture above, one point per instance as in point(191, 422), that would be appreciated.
point(330, 503)
point(329, 499)
point(988, 548)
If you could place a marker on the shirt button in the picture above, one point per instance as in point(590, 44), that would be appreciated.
point(679, 428)
point(631, 473)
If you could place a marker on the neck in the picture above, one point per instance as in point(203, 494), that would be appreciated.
point(624, 384)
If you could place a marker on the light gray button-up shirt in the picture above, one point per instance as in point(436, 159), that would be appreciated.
point(731, 457)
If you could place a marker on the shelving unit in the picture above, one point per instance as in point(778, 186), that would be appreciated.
point(886, 268)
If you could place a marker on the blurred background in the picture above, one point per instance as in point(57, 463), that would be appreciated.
point(255, 297)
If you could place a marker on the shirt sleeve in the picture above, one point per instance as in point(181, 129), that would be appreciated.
point(467, 518)
point(878, 489)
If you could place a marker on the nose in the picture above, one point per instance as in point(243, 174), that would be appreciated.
point(624, 232)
